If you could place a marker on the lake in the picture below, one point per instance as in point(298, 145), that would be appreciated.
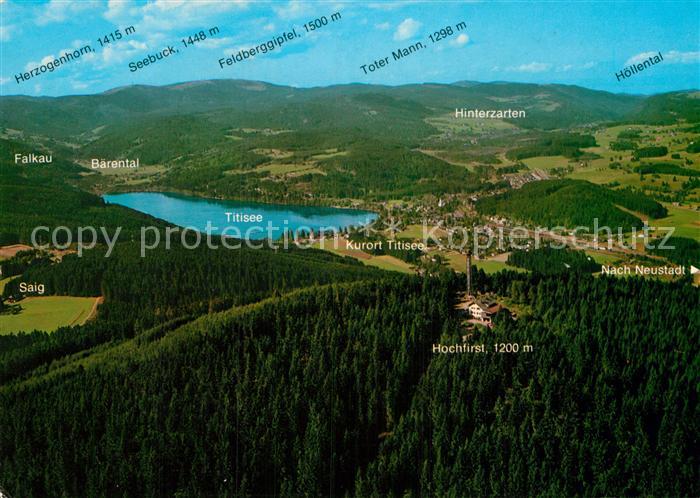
point(247, 220)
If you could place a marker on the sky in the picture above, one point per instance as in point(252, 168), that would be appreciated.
point(578, 43)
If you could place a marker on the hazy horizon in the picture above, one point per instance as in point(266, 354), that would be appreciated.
point(354, 83)
point(583, 44)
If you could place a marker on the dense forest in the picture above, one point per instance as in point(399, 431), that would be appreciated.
point(685, 251)
point(354, 174)
point(581, 415)
point(172, 284)
point(44, 195)
point(623, 145)
point(335, 390)
point(403, 173)
point(23, 260)
point(666, 108)
point(653, 151)
point(666, 169)
point(554, 144)
point(572, 203)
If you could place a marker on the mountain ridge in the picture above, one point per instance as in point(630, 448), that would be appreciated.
point(548, 106)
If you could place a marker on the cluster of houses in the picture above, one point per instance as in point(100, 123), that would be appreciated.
point(517, 180)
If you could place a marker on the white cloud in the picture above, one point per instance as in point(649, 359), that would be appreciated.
point(79, 85)
point(269, 27)
point(639, 58)
point(460, 41)
point(51, 57)
point(533, 67)
point(407, 29)
point(386, 5)
point(573, 67)
point(121, 9)
point(234, 50)
point(383, 26)
point(6, 32)
point(119, 52)
point(137, 45)
point(4, 80)
point(671, 57)
point(32, 64)
point(676, 57)
point(215, 42)
point(167, 15)
point(393, 5)
point(59, 10)
point(293, 10)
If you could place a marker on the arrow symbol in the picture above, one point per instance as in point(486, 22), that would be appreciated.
point(694, 270)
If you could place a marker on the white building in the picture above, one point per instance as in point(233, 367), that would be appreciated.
point(483, 310)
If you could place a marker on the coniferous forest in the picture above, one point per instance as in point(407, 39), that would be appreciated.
point(335, 390)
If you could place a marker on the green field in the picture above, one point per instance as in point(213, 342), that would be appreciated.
point(280, 169)
point(289, 169)
point(329, 153)
point(546, 162)
point(47, 313)
point(416, 232)
point(604, 258)
point(495, 266)
point(599, 171)
point(412, 232)
point(468, 125)
point(386, 262)
point(458, 262)
point(684, 220)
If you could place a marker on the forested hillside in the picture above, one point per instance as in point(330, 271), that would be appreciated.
point(256, 103)
point(343, 105)
point(565, 144)
point(685, 251)
point(335, 390)
point(571, 203)
point(165, 285)
point(667, 108)
point(605, 406)
point(42, 195)
point(250, 140)
point(354, 174)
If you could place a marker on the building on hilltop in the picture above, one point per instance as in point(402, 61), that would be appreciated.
point(479, 310)
point(483, 310)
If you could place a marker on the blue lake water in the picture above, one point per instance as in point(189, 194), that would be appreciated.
point(195, 212)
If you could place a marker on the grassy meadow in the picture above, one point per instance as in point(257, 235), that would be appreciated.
point(47, 313)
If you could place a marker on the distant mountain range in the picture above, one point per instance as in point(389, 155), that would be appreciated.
point(374, 108)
